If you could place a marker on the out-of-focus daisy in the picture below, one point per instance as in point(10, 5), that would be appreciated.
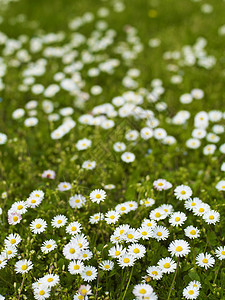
point(128, 157)
point(77, 201)
point(64, 186)
point(50, 174)
point(161, 184)
point(147, 202)
point(182, 192)
point(221, 185)
point(96, 218)
point(142, 290)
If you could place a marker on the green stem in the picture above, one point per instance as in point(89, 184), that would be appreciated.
point(21, 287)
point(128, 283)
point(217, 273)
point(174, 277)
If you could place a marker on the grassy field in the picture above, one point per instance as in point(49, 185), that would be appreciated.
point(149, 75)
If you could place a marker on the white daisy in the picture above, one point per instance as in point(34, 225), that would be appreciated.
point(142, 290)
point(145, 232)
point(19, 207)
point(77, 201)
point(38, 226)
point(220, 252)
point(182, 192)
point(89, 273)
point(50, 280)
point(190, 292)
point(160, 233)
point(191, 203)
point(201, 209)
point(205, 260)
point(179, 248)
point(211, 217)
point(137, 250)
point(12, 239)
point(167, 265)
point(97, 196)
point(117, 251)
point(177, 218)
point(23, 266)
point(126, 260)
point(128, 157)
point(192, 232)
point(96, 218)
point(111, 217)
point(75, 267)
point(106, 265)
point(154, 272)
point(73, 228)
point(48, 246)
point(64, 186)
point(58, 221)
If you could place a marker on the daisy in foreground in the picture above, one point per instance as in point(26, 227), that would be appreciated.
point(23, 266)
point(142, 290)
point(205, 260)
point(182, 192)
point(97, 196)
point(179, 248)
point(220, 252)
point(190, 292)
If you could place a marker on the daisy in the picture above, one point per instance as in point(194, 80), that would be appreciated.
point(205, 260)
point(3, 138)
point(160, 233)
point(14, 218)
point(89, 273)
point(167, 265)
point(41, 292)
point(168, 208)
point(137, 250)
point(179, 248)
point(50, 174)
point(201, 209)
point(149, 223)
point(132, 235)
point(190, 292)
point(177, 218)
point(96, 218)
point(161, 184)
point(12, 239)
point(128, 157)
point(20, 207)
point(221, 185)
point(126, 260)
point(89, 165)
point(75, 267)
point(195, 284)
point(71, 250)
point(58, 221)
point(157, 214)
point(106, 265)
point(97, 196)
point(147, 202)
point(209, 149)
point(119, 147)
point(117, 251)
point(37, 193)
point(23, 266)
point(3, 261)
point(38, 225)
point(154, 272)
point(192, 232)
point(73, 228)
point(33, 201)
point(182, 192)
point(111, 217)
point(132, 205)
point(9, 252)
point(48, 246)
point(122, 208)
point(50, 280)
point(145, 232)
point(211, 217)
point(85, 290)
point(191, 203)
point(220, 252)
point(77, 201)
point(109, 186)
point(85, 255)
point(142, 290)
point(81, 240)
point(64, 186)
point(83, 144)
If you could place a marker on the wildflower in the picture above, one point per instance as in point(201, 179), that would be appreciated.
point(75, 267)
point(73, 228)
point(77, 201)
point(190, 292)
point(205, 260)
point(220, 252)
point(23, 266)
point(38, 226)
point(117, 251)
point(179, 248)
point(96, 218)
point(97, 196)
point(59, 221)
point(128, 157)
point(192, 232)
point(14, 218)
point(177, 218)
point(182, 192)
point(160, 233)
point(64, 186)
point(89, 273)
point(12, 239)
point(137, 250)
point(154, 272)
point(167, 265)
point(142, 290)
point(211, 217)
point(50, 174)
point(161, 184)
point(126, 260)
point(106, 265)
point(48, 246)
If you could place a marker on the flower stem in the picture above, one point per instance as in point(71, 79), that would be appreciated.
point(128, 283)
point(21, 287)
point(173, 279)
point(217, 272)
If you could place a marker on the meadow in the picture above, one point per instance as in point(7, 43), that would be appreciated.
point(112, 149)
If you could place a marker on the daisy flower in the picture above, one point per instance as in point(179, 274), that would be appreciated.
point(38, 226)
point(201, 209)
point(154, 272)
point(38, 194)
point(122, 208)
point(41, 292)
point(85, 290)
point(128, 157)
point(50, 174)
point(50, 280)
point(117, 251)
point(211, 217)
point(205, 260)
point(132, 235)
point(48, 246)
point(85, 255)
point(177, 218)
point(89, 165)
point(157, 214)
point(137, 250)
point(33, 201)
point(167, 265)
point(160, 233)
point(23, 266)
point(75, 267)
point(191, 203)
point(149, 223)
point(190, 292)
point(73, 228)
point(20, 207)
point(71, 250)
point(220, 252)
point(179, 248)
point(12, 239)
point(126, 260)
point(195, 284)
point(81, 240)
point(192, 232)
point(3, 261)
point(182, 192)
point(142, 290)
point(89, 273)
point(58, 221)
point(221, 185)
point(147, 202)
point(14, 218)
point(168, 208)
point(96, 218)
point(9, 252)
point(97, 196)
point(109, 186)
point(111, 217)
point(64, 186)
point(77, 201)
point(161, 184)
point(145, 232)
point(106, 265)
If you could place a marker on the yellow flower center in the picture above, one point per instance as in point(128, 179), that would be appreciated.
point(15, 218)
point(201, 209)
point(72, 250)
point(179, 249)
point(205, 260)
point(19, 207)
point(98, 196)
point(83, 291)
point(160, 184)
point(157, 215)
point(24, 267)
point(126, 260)
point(192, 232)
point(9, 252)
point(136, 250)
point(77, 200)
point(65, 185)
point(223, 252)
point(191, 292)
point(183, 192)
point(117, 253)
point(149, 224)
point(80, 245)
point(159, 233)
point(33, 201)
point(130, 236)
point(88, 273)
point(74, 228)
point(12, 241)
point(142, 291)
point(144, 232)
point(76, 267)
point(38, 226)
point(96, 217)
point(123, 208)
point(112, 217)
point(50, 279)
point(106, 266)
point(155, 273)
point(211, 217)
point(48, 246)
point(59, 221)
point(167, 265)
point(41, 292)
point(193, 204)
point(121, 231)
point(177, 219)
point(84, 255)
